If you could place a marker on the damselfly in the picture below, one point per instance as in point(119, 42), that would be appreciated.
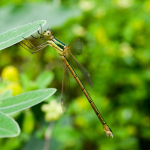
point(62, 50)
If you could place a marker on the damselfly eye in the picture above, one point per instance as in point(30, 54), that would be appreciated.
point(51, 30)
point(48, 33)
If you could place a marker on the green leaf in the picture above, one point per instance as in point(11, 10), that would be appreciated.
point(25, 81)
point(25, 100)
point(44, 79)
point(6, 94)
point(8, 127)
point(16, 35)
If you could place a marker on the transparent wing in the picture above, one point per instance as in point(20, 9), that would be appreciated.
point(85, 73)
point(76, 47)
point(65, 92)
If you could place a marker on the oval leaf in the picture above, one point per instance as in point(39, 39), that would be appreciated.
point(6, 94)
point(16, 35)
point(8, 126)
point(25, 100)
point(44, 79)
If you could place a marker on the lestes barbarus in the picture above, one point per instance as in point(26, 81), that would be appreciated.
point(62, 50)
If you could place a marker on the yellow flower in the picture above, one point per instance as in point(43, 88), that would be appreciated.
point(15, 87)
point(10, 73)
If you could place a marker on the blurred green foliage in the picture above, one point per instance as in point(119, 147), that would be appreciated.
point(116, 52)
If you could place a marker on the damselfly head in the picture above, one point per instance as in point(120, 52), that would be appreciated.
point(48, 33)
point(51, 30)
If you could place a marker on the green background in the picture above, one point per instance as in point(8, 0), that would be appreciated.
point(116, 52)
